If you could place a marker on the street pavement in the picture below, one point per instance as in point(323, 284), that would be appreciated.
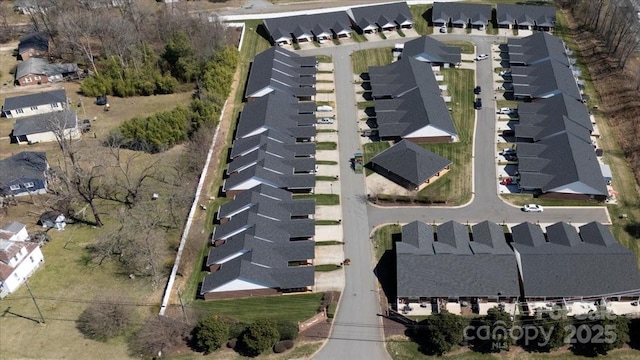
point(357, 330)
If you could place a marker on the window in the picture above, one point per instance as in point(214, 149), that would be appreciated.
point(55, 105)
point(27, 80)
point(31, 258)
point(34, 108)
point(15, 275)
point(29, 184)
point(14, 187)
point(20, 111)
point(38, 78)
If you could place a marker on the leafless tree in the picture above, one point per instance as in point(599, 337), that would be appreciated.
point(105, 318)
point(160, 334)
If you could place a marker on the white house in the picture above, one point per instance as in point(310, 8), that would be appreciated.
point(14, 231)
point(46, 127)
point(34, 104)
point(18, 260)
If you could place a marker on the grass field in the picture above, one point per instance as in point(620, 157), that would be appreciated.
point(372, 149)
point(419, 14)
point(373, 57)
point(467, 47)
point(383, 239)
point(326, 145)
point(321, 199)
point(285, 307)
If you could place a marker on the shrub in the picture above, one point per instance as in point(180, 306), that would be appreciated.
point(159, 333)
point(260, 336)
point(210, 334)
point(288, 330)
point(282, 346)
point(331, 310)
point(231, 344)
point(103, 321)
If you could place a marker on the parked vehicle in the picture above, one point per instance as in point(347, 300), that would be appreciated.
point(482, 57)
point(443, 29)
point(532, 208)
point(325, 120)
point(508, 151)
point(507, 181)
point(101, 100)
point(324, 108)
point(477, 90)
point(477, 104)
point(506, 111)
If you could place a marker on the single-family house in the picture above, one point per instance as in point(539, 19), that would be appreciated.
point(461, 15)
point(24, 173)
point(553, 108)
point(14, 231)
point(526, 17)
point(53, 219)
point(35, 71)
point(430, 50)
point(33, 104)
point(455, 268)
point(408, 103)
point(277, 69)
point(18, 261)
point(573, 264)
point(269, 139)
point(409, 165)
point(543, 80)
point(304, 28)
point(46, 127)
point(382, 17)
point(35, 44)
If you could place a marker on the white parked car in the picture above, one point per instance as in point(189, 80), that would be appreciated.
point(482, 57)
point(324, 108)
point(532, 208)
point(506, 111)
point(325, 120)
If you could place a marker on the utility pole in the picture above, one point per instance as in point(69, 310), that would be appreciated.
point(184, 312)
point(34, 301)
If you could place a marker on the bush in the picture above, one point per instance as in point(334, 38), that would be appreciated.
point(159, 333)
point(288, 330)
point(210, 334)
point(260, 336)
point(282, 346)
point(105, 320)
point(331, 310)
point(231, 344)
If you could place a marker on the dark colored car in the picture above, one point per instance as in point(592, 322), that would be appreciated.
point(478, 104)
point(477, 90)
point(101, 100)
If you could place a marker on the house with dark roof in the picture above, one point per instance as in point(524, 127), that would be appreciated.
point(24, 173)
point(543, 80)
point(275, 112)
point(461, 15)
point(45, 127)
point(408, 103)
point(33, 104)
point(269, 139)
point(555, 108)
point(476, 268)
point(18, 261)
point(571, 264)
point(561, 166)
point(409, 165)
point(257, 174)
point(383, 17)
point(304, 28)
point(280, 70)
point(430, 50)
point(536, 48)
point(533, 128)
point(526, 17)
point(34, 44)
point(35, 71)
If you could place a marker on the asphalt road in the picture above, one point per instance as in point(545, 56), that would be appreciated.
point(357, 331)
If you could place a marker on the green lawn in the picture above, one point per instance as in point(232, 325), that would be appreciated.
point(326, 145)
point(455, 186)
point(321, 199)
point(327, 222)
point(382, 239)
point(286, 307)
point(420, 24)
point(370, 150)
point(373, 57)
point(326, 162)
point(467, 47)
point(326, 178)
point(327, 267)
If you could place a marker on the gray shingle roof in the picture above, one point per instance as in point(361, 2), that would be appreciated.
point(257, 174)
point(535, 48)
point(35, 40)
point(243, 269)
point(416, 102)
point(536, 127)
point(430, 50)
point(423, 272)
point(43, 98)
point(272, 198)
point(266, 253)
point(315, 24)
point(272, 112)
point(561, 163)
point(488, 238)
point(411, 162)
point(381, 15)
point(23, 165)
point(553, 108)
point(544, 79)
point(461, 13)
point(283, 71)
point(567, 266)
point(530, 15)
point(40, 123)
point(37, 66)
